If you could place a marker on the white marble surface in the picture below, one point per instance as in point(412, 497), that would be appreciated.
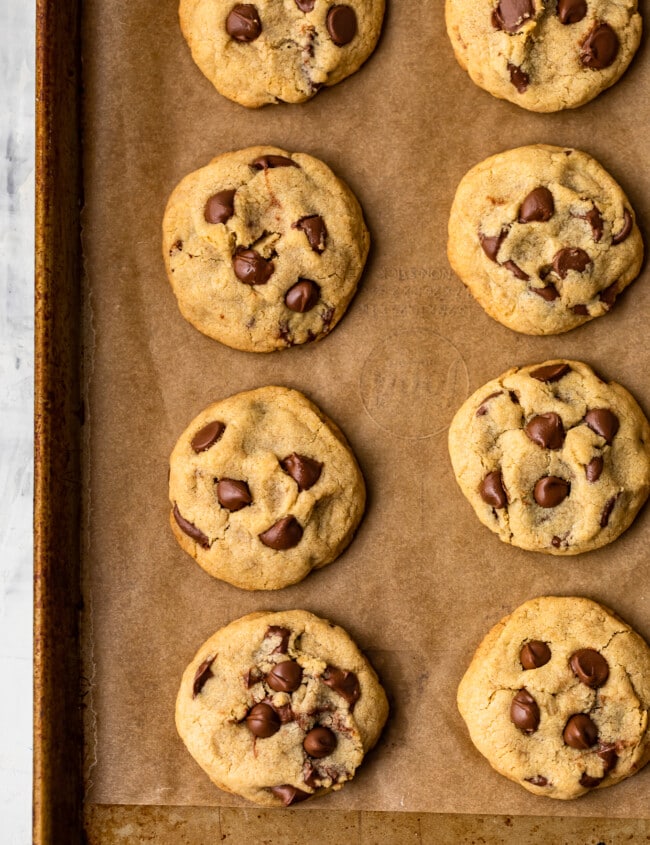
point(16, 404)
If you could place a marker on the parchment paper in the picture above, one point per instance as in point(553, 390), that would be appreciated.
point(423, 581)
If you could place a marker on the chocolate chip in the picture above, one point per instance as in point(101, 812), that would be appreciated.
point(546, 430)
point(524, 712)
point(625, 232)
point(243, 23)
point(304, 471)
point(302, 296)
point(283, 633)
point(289, 794)
point(343, 682)
point(250, 267)
point(519, 78)
point(556, 542)
point(537, 780)
point(516, 271)
point(341, 24)
point(270, 162)
point(316, 231)
point(550, 373)
point(285, 676)
point(600, 47)
point(580, 732)
point(305, 5)
point(571, 11)
point(492, 491)
point(580, 310)
point(538, 206)
point(483, 408)
point(588, 781)
point(594, 469)
point(534, 654)
point(262, 720)
point(232, 494)
point(551, 491)
point(491, 243)
point(285, 713)
point(220, 207)
point(548, 293)
point(607, 511)
point(570, 258)
point(319, 742)
point(608, 296)
point(191, 530)
point(603, 422)
point(608, 755)
point(202, 674)
point(252, 677)
point(595, 220)
point(208, 436)
point(511, 14)
point(590, 667)
point(282, 535)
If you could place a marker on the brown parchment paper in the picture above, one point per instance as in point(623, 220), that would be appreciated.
point(423, 581)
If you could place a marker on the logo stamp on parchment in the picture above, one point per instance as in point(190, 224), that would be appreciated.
point(413, 382)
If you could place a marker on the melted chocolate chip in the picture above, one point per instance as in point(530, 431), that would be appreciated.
point(343, 682)
point(537, 780)
point(595, 220)
point(570, 258)
point(589, 781)
point(289, 794)
point(220, 207)
point(270, 162)
point(625, 232)
point(607, 511)
point(600, 47)
point(571, 11)
point(191, 530)
point(285, 676)
point(202, 674)
point(519, 78)
point(252, 677)
point(306, 5)
point(551, 491)
point(283, 633)
point(548, 293)
point(608, 296)
point(580, 732)
point(608, 755)
point(538, 206)
point(341, 24)
point(250, 267)
point(524, 712)
point(262, 720)
point(580, 310)
point(546, 430)
point(491, 243)
point(534, 654)
point(590, 667)
point(208, 436)
point(550, 373)
point(516, 271)
point(282, 535)
point(492, 491)
point(603, 422)
point(243, 23)
point(302, 296)
point(510, 15)
point(483, 408)
point(316, 231)
point(319, 742)
point(232, 494)
point(594, 469)
point(304, 471)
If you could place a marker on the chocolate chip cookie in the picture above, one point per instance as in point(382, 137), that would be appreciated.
point(264, 248)
point(552, 458)
point(277, 707)
point(544, 56)
point(544, 238)
point(274, 52)
point(264, 488)
point(557, 697)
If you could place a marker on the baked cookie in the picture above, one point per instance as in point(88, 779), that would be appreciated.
point(557, 697)
point(279, 51)
point(552, 458)
point(264, 248)
point(277, 707)
point(544, 56)
point(264, 488)
point(544, 238)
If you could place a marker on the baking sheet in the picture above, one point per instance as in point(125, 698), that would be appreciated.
point(423, 581)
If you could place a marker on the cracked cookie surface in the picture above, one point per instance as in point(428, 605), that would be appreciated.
point(264, 248)
point(264, 488)
point(552, 458)
point(544, 55)
point(277, 707)
point(557, 697)
point(274, 51)
point(544, 238)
